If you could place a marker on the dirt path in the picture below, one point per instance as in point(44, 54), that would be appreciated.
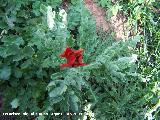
point(116, 23)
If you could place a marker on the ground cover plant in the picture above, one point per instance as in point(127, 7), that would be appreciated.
point(101, 77)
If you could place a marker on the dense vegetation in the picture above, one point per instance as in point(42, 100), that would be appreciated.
point(121, 80)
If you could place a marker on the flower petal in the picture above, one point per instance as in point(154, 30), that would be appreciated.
point(66, 52)
point(79, 58)
point(78, 51)
point(71, 59)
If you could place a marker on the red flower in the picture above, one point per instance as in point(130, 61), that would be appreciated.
point(74, 58)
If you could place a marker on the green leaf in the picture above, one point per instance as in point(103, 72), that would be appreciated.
point(109, 14)
point(73, 103)
point(40, 117)
point(8, 50)
point(15, 103)
point(13, 39)
point(3, 52)
point(28, 51)
point(43, 8)
point(26, 64)
point(51, 85)
point(5, 72)
point(3, 24)
point(12, 50)
point(36, 7)
point(115, 9)
point(18, 57)
point(70, 42)
point(58, 91)
point(56, 100)
point(134, 40)
point(124, 59)
point(103, 3)
point(18, 73)
point(74, 2)
point(141, 1)
point(56, 75)
point(47, 62)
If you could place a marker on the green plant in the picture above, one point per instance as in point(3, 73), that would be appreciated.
point(34, 33)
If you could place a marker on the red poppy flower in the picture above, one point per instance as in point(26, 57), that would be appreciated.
point(74, 58)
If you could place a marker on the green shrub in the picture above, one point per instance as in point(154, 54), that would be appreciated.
point(32, 81)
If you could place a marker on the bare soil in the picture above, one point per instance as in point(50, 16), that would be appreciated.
point(116, 23)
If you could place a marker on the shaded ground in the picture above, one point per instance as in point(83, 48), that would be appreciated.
point(116, 23)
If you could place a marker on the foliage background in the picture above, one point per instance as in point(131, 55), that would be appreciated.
point(114, 83)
